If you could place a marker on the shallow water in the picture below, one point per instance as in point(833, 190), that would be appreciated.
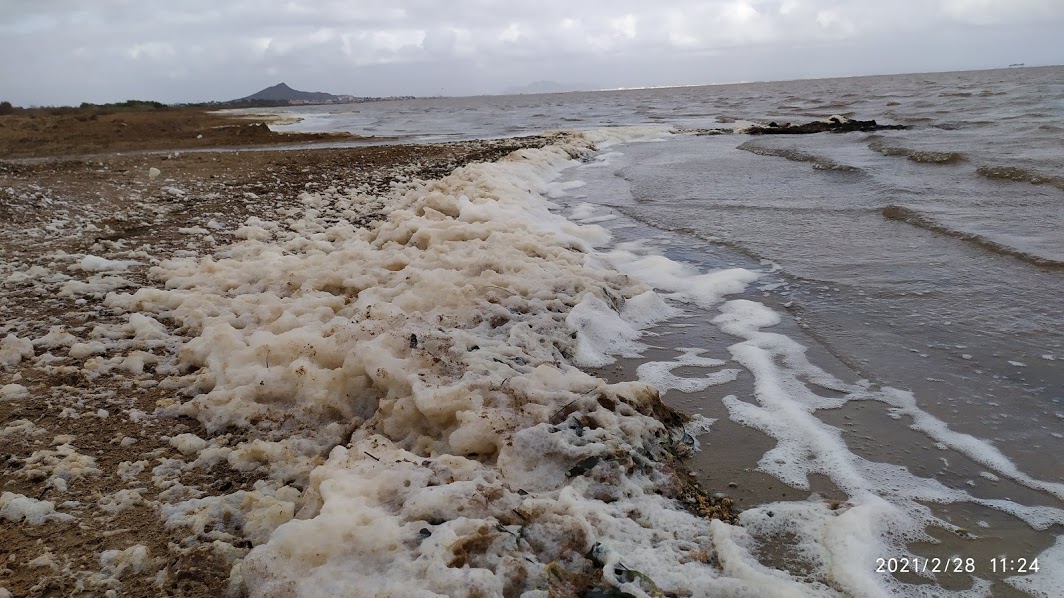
point(892, 338)
point(959, 300)
point(984, 156)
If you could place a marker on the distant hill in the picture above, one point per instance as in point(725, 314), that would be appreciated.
point(283, 93)
point(543, 87)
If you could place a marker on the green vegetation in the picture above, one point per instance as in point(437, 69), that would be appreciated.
point(87, 108)
point(137, 105)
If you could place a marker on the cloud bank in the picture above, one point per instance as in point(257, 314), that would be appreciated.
point(68, 51)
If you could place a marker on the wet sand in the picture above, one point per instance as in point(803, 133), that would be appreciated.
point(728, 460)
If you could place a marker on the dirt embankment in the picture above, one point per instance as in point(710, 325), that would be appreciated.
point(46, 132)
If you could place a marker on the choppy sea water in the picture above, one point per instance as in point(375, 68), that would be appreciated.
point(928, 261)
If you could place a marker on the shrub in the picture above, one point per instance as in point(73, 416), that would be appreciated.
point(6, 108)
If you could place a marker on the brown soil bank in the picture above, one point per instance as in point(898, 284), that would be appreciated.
point(46, 132)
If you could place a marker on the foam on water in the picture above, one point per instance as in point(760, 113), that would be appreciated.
point(1049, 579)
point(887, 506)
point(679, 281)
point(659, 373)
point(430, 358)
point(885, 509)
point(419, 380)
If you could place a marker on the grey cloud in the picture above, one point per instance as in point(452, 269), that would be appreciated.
point(104, 50)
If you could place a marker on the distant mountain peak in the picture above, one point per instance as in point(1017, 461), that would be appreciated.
point(283, 93)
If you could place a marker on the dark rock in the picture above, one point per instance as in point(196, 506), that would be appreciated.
point(583, 467)
point(834, 125)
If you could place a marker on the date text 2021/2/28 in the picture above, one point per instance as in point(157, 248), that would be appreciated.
point(911, 564)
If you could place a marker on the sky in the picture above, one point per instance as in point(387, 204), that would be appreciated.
point(60, 52)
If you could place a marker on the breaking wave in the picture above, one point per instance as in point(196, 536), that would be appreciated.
point(922, 156)
point(796, 155)
point(962, 124)
point(910, 216)
point(1019, 175)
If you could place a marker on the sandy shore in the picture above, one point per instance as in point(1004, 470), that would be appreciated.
point(96, 434)
point(44, 132)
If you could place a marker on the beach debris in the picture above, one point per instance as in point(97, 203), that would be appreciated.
point(835, 124)
point(702, 132)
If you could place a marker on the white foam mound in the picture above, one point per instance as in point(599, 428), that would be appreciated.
point(419, 380)
point(10, 392)
point(604, 331)
point(430, 358)
point(135, 560)
point(17, 508)
point(93, 263)
point(14, 349)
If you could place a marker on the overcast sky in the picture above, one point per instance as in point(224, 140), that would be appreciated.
point(69, 51)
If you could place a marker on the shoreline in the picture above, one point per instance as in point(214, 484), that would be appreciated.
point(450, 312)
point(88, 358)
point(197, 203)
point(987, 501)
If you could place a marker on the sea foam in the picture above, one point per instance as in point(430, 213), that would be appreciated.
point(418, 380)
point(410, 395)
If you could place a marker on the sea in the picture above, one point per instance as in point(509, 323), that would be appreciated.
point(917, 277)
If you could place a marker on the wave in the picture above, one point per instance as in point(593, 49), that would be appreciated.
point(835, 104)
point(907, 118)
point(796, 155)
point(961, 124)
point(920, 156)
point(1019, 175)
point(910, 216)
point(823, 115)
